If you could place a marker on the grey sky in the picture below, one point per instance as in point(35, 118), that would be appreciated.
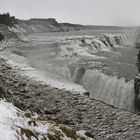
point(101, 12)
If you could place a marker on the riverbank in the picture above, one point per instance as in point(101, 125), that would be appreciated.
point(79, 112)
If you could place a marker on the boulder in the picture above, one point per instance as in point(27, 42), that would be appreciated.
point(1, 37)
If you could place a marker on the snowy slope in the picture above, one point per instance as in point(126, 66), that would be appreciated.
point(18, 125)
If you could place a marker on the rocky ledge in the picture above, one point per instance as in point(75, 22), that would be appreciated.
point(101, 121)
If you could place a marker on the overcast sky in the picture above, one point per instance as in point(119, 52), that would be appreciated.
point(99, 12)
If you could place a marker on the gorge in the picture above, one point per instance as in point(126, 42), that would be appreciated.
point(48, 67)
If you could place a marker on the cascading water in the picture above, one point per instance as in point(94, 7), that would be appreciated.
point(75, 59)
point(62, 71)
point(109, 89)
point(54, 69)
point(88, 45)
point(77, 76)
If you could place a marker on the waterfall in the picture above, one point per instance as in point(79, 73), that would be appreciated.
point(112, 41)
point(88, 45)
point(106, 42)
point(109, 89)
point(61, 71)
point(72, 62)
point(77, 76)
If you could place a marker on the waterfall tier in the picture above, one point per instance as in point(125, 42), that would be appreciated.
point(109, 89)
point(88, 45)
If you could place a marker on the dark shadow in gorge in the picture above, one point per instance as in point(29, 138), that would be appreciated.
point(137, 83)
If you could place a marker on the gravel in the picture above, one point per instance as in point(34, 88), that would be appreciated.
point(101, 121)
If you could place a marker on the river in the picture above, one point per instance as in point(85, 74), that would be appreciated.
point(103, 63)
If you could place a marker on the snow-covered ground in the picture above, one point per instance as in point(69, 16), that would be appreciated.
point(18, 125)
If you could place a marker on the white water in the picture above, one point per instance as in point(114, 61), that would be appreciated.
point(73, 47)
point(80, 56)
point(109, 89)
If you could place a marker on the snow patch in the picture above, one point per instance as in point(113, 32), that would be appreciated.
point(14, 125)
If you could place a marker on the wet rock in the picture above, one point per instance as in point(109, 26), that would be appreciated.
point(22, 84)
point(1, 37)
point(86, 94)
point(48, 112)
point(89, 134)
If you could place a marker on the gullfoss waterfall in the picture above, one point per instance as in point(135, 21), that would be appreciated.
point(98, 62)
